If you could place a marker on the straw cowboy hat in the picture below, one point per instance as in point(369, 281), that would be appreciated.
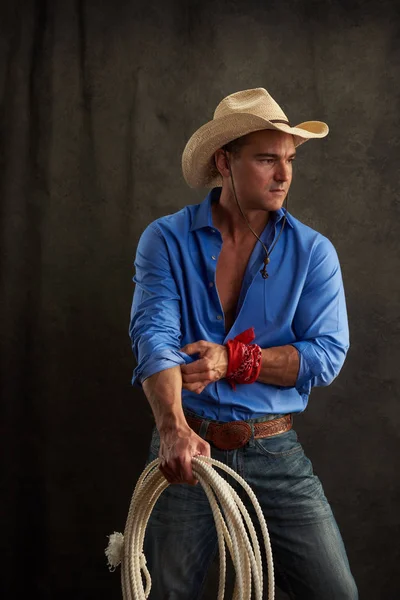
point(237, 115)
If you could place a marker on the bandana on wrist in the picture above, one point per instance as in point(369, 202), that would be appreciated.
point(244, 359)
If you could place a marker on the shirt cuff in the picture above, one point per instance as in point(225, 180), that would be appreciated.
point(310, 367)
point(159, 361)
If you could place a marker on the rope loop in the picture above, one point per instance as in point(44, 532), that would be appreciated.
point(235, 531)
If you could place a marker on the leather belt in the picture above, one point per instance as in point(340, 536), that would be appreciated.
point(236, 434)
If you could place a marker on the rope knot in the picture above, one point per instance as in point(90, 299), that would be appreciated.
point(114, 550)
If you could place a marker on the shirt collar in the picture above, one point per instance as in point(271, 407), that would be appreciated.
point(278, 215)
point(203, 216)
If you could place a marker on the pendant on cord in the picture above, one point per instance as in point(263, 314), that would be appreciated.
point(264, 269)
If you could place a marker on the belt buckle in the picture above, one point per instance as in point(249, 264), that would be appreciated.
point(232, 435)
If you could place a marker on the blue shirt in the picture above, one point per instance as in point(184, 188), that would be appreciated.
point(176, 302)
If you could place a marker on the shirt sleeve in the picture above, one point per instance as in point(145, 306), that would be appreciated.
point(320, 321)
point(155, 324)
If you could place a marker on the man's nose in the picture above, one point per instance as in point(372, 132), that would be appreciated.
point(283, 171)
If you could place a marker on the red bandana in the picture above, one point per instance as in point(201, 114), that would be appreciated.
point(244, 359)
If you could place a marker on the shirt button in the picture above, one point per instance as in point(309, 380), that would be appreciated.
point(210, 284)
point(213, 257)
point(212, 230)
point(219, 318)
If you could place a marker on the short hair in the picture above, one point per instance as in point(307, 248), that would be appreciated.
point(235, 146)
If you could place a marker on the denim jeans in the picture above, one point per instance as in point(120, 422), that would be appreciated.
point(310, 560)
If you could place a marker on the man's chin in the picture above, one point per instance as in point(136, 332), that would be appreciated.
point(274, 204)
point(269, 204)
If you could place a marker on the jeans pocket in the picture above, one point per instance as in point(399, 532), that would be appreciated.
point(281, 445)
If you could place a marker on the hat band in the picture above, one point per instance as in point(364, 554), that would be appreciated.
point(280, 121)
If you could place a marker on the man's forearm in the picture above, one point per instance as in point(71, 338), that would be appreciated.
point(164, 393)
point(279, 366)
point(178, 443)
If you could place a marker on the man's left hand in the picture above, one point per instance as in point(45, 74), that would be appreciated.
point(211, 366)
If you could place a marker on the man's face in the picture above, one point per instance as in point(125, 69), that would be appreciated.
point(262, 172)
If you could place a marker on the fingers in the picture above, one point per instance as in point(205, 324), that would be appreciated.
point(198, 379)
point(195, 387)
point(205, 450)
point(211, 367)
point(186, 472)
point(196, 347)
point(197, 375)
point(204, 377)
point(180, 471)
point(176, 465)
point(167, 472)
point(198, 366)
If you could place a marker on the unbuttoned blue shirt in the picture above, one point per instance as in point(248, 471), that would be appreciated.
point(176, 302)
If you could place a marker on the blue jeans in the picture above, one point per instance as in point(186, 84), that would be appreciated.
point(310, 560)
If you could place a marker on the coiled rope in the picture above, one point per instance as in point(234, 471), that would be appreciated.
point(231, 519)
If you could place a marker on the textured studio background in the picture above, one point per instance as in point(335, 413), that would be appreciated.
point(97, 100)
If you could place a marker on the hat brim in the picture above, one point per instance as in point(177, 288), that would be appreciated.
point(198, 156)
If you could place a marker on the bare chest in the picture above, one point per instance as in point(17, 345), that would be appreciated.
point(231, 267)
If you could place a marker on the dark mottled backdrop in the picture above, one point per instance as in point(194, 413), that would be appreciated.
point(97, 101)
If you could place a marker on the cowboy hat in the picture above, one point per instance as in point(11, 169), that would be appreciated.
point(235, 116)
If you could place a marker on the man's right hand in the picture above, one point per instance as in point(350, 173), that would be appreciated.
point(177, 448)
point(178, 443)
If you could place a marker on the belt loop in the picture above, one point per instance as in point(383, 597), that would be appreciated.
point(203, 428)
point(252, 434)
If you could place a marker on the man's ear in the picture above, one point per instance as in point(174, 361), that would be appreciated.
point(222, 162)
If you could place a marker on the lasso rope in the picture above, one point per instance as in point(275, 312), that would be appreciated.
point(231, 519)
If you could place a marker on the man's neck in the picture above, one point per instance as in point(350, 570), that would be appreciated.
point(228, 219)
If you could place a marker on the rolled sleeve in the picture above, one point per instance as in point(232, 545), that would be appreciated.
point(155, 324)
point(320, 322)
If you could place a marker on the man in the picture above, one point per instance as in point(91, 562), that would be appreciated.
point(207, 279)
